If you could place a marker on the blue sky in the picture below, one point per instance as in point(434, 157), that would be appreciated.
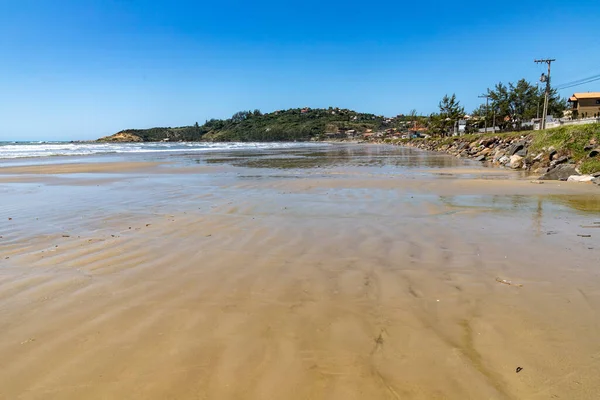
point(84, 69)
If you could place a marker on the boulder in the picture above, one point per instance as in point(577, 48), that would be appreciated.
point(522, 152)
point(559, 160)
point(503, 160)
point(580, 178)
point(480, 158)
point(515, 147)
point(498, 155)
point(542, 170)
point(559, 173)
point(516, 161)
point(596, 181)
point(485, 151)
point(488, 142)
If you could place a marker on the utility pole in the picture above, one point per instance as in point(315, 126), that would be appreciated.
point(546, 79)
point(487, 99)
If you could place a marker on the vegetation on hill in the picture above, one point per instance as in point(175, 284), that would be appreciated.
point(249, 126)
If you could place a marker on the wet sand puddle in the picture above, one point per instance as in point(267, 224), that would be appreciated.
point(371, 277)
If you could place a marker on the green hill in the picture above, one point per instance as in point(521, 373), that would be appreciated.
point(253, 126)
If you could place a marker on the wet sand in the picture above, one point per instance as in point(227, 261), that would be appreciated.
point(348, 273)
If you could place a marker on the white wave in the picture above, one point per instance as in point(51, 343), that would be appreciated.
point(48, 149)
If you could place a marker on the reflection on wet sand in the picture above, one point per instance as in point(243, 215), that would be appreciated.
point(346, 272)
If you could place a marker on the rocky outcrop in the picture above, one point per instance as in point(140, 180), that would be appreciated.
point(121, 137)
point(511, 152)
point(560, 173)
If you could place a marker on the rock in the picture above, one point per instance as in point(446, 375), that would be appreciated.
point(559, 173)
point(542, 170)
point(487, 142)
point(516, 161)
point(498, 155)
point(485, 152)
point(503, 160)
point(474, 144)
point(580, 178)
point(538, 157)
point(596, 174)
point(480, 158)
point(594, 153)
point(515, 147)
point(522, 152)
point(596, 181)
point(560, 160)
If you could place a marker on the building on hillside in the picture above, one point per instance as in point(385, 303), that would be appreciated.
point(585, 105)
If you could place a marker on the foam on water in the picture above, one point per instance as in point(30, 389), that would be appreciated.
point(47, 149)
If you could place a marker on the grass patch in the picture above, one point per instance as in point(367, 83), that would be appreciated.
point(573, 138)
point(590, 165)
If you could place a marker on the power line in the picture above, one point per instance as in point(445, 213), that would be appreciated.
point(578, 82)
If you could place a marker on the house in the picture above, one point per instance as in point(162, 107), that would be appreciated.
point(585, 105)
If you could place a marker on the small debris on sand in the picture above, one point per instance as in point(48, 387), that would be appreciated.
point(504, 281)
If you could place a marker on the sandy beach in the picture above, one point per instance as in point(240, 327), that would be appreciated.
point(340, 272)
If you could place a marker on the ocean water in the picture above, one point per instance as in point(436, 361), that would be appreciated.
point(46, 149)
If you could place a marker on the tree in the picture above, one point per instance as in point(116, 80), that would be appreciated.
point(450, 112)
point(520, 102)
point(240, 116)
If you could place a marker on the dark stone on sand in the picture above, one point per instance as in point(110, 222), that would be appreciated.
point(560, 173)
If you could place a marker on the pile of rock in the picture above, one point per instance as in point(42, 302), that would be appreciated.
point(514, 153)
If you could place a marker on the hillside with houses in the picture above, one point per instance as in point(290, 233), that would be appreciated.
point(298, 124)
